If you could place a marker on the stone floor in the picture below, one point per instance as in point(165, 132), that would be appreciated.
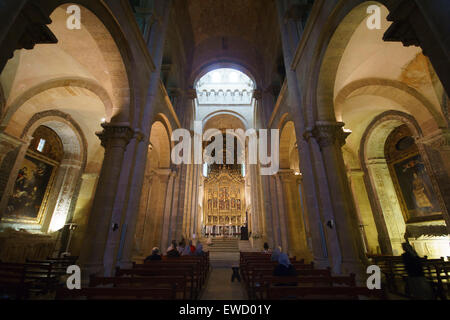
point(220, 287)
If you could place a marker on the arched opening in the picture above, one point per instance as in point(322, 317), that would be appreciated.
point(150, 228)
point(296, 238)
point(402, 187)
point(43, 185)
point(362, 79)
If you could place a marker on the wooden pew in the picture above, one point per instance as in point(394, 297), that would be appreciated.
point(321, 293)
point(13, 283)
point(116, 294)
point(158, 272)
point(193, 266)
point(177, 283)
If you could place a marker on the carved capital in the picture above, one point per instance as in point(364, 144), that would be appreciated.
point(327, 133)
point(191, 94)
point(257, 94)
point(115, 135)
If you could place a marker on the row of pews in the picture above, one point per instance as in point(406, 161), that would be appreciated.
point(309, 283)
point(33, 278)
point(172, 278)
point(436, 271)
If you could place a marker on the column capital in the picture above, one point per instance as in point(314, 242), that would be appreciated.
point(191, 94)
point(115, 134)
point(439, 140)
point(286, 175)
point(257, 94)
point(326, 133)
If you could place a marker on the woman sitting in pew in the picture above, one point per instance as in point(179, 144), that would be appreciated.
point(284, 267)
point(187, 251)
point(276, 254)
point(172, 251)
point(156, 255)
point(199, 250)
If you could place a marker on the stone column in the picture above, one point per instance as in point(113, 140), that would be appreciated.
point(132, 171)
point(282, 216)
point(274, 212)
point(165, 237)
point(437, 148)
point(307, 165)
point(344, 243)
point(114, 138)
point(294, 220)
point(265, 184)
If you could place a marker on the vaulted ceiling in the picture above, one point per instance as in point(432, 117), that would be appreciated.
point(246, 19)
point(242, 31)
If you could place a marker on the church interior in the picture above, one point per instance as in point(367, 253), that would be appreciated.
point(354, 95)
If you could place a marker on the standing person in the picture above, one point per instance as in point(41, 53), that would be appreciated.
point(266, 248)
point(419, 287)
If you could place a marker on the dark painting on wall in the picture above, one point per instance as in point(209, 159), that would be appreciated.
point(29, 189)
point(416, 188)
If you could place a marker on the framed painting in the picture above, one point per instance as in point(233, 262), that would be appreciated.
point(29, 197)
point(415, 189)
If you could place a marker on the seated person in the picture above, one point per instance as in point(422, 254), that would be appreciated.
point(187, 251)
point(199, 250)
point(284, 269)
point(276, 254)
point(172, 251)
point(192, 247)
point(181, 247)
point(156, 255)
point(266, 248)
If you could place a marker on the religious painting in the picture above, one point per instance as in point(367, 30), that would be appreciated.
point(415, 188)
point(215, 203)
point(30, 190)
point(227, 204)
point(238, 204)
point(222, 205)
point(210, 204)
point(233, 203)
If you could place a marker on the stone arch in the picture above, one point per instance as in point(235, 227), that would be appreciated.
point(213, 65)
point(345, 19)
point(85, 83)
point(99, 24)
point(386, 208)
point(65, 186)
point(394, 90)
point(228, 113)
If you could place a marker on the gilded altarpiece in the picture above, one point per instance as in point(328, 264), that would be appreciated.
point(224, 199)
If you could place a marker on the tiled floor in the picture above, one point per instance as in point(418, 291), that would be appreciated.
point(220, 287)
